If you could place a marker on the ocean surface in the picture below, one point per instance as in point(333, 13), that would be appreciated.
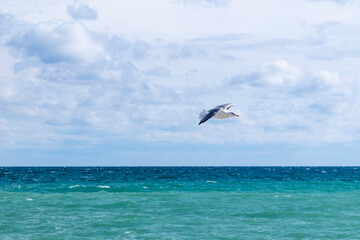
point(180, 203)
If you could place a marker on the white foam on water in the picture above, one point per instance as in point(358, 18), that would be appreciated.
point(145, 187)
point(29, 199)
point(100, 186)
point(211, 181)
point(76, 186)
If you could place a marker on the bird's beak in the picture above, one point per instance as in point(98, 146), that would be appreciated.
point(237, 115)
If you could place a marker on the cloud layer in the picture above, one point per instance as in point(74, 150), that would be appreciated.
point(82, 11)
point(87, 82)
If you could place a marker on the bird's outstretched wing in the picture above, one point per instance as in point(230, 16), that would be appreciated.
point(203, 114)
point(211, 113)
point(226, 106)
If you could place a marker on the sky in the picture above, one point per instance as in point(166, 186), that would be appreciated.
point(122, 83)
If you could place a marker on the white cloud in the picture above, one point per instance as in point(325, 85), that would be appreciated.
point(82, 11)
point(280, 73)
point(327, 80)
point(58, 42)
point(293, 80)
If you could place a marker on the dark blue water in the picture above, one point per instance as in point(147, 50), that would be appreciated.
point(131, 174)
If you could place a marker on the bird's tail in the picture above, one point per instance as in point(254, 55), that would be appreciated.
point(203, 114)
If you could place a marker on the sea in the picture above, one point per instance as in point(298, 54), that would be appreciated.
point(179, 203)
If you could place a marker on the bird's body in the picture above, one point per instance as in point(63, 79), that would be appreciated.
point(219, 112)
point(223, 114)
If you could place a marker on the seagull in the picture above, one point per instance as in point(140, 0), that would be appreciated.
point(219, 112)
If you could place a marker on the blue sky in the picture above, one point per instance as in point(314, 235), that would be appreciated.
point(123, 82)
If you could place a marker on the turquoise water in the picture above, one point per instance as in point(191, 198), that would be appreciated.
point(180, 203)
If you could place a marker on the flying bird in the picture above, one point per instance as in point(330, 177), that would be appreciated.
point(219, 112)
